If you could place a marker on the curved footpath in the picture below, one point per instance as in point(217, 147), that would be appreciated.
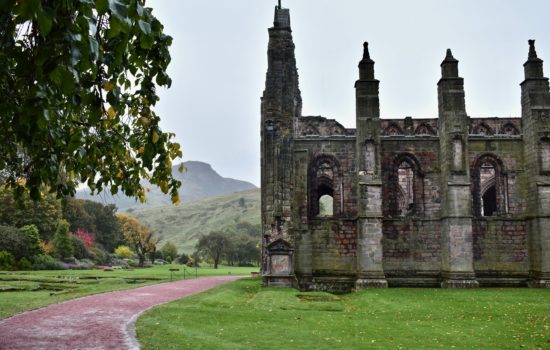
point(102, 321)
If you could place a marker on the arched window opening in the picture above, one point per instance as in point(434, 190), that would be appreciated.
point(489, 201)
point(405, 175)
point(489, 187)
point(326, 205)
point(403, 187)
point(324, 183)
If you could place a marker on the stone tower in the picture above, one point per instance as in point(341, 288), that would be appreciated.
point(456, 225)
point(535, 112)
point(281, 105)
point(370, 272)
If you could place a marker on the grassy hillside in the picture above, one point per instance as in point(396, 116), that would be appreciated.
point(199, 181)
point(184, 224)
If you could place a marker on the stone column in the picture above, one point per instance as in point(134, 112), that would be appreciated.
point(456, 226)
point(535, 113)
point(370, 271)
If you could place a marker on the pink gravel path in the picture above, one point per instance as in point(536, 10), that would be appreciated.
point(102, 321)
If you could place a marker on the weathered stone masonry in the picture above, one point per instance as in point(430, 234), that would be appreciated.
point(452, 201)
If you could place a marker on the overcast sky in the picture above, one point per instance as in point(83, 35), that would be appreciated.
point(219, 63)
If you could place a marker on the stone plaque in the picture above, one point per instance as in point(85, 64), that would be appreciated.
point(280, 265)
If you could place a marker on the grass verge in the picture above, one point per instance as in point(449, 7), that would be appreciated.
point(241, 315)
point(27, 290)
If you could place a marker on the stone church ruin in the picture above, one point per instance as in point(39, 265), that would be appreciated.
point(455, 201)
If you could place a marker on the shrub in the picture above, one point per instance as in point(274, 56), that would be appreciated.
point(119, 262)
point(62, 240)
point(19, 242)
point(84, 264)
point(24, 264)
point(99, 255)
point(169, 250)
point(47, 247)
point(80, 250)
point(123, 252)
point(86, 237)
point(169, 259)
point(7, 261)
point(183, 259)
point(46, 262)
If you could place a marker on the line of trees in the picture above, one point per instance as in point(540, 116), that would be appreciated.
point(52, 233)
point(239, 246)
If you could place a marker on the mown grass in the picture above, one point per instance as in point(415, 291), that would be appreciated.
point(27, 290)
point(242, 315)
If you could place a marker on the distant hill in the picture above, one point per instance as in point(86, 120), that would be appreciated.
point(184, 224)
point(199, 181)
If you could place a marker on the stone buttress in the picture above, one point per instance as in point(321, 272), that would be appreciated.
point(370, 272)
point(535, 112)
point(281, 105)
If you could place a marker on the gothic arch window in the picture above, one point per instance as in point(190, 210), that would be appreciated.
point(324, 187)
point(404, 186)
point(509, 129)
point(489, 186)
point(424, 129)
point(483, 129)
point(393, 130)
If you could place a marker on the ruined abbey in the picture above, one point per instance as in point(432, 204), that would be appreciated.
point(454, 201)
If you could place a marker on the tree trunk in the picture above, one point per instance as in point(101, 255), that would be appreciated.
point(141, 260)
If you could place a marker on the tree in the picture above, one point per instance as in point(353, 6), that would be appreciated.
point(95, 218)
point(169, 249)
point(44, 214)
point(78, 89)
point(138, 235)
point(62, 241)
point(21, 243)
point(213, 246)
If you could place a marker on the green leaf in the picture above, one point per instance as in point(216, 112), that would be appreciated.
point(44, 23)
point(102, 6)
point(94, 48)
point(145, 27)
point(118, 9)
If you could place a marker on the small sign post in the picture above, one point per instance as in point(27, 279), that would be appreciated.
point(171, 272)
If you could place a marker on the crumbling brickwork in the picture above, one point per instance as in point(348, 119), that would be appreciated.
point(452, 201)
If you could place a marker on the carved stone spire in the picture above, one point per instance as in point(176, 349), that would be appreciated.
point(366, 65)
point(532, 52)
point(449, 66)
point(533, 66)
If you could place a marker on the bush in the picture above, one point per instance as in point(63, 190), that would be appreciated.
point(84, 264)
point(24, 264)
point(119, 262)
point(7, 261)
point(20, 242)
point(46, 262)
point(99, 255)
point(183, 259)
point(123, 252)
point(80, 250)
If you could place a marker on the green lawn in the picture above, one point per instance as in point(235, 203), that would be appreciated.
point(26, 290)
point(242, 315)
